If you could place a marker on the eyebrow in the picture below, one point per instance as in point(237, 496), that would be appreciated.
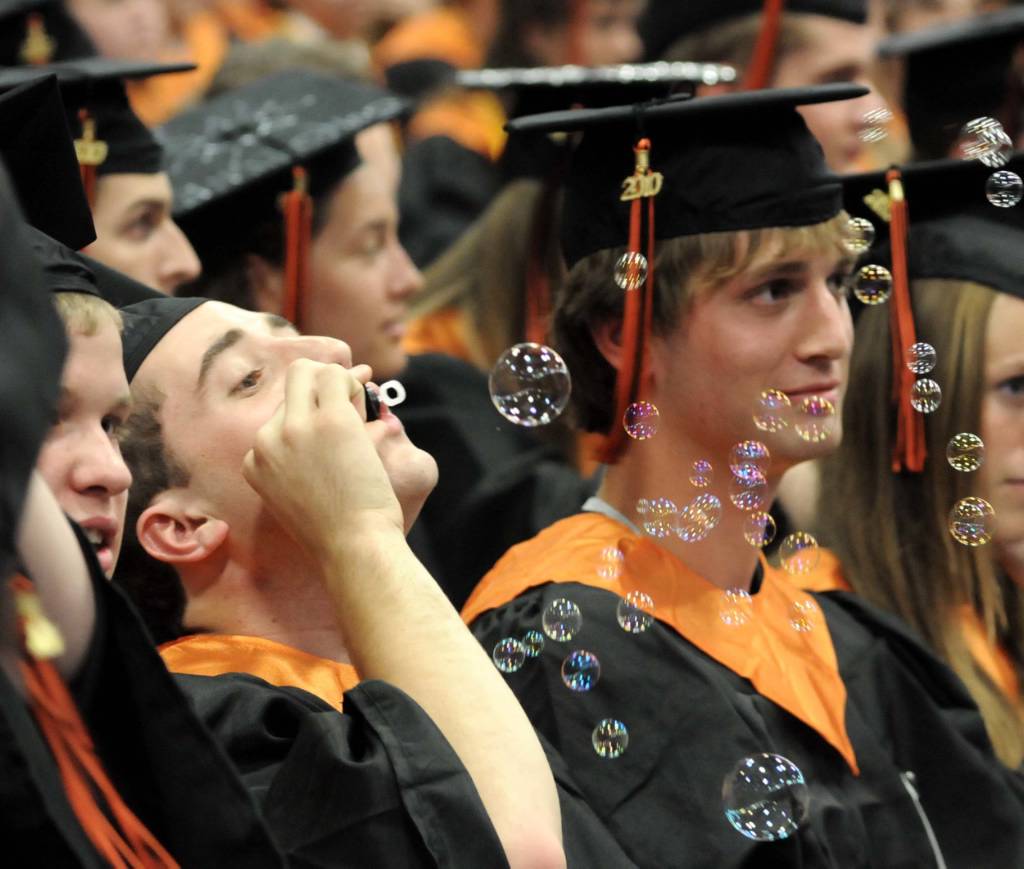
point(228, 339)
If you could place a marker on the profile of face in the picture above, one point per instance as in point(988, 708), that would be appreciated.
point(222, 373)
point(135, 233)
point(124, 29)
point(782, 324)
point(834, 51)
point(1002, 419)
point(80, 459)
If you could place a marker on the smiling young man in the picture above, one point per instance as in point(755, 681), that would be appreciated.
point(713, 712)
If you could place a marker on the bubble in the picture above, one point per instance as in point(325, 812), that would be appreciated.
point(698, 518)
point(611, 561)
point(799, 553)
point(859, 235)
point(610, 738)
point(765, 797)
point(773, 411)
point(533, 643)
point(759, 529)
point(815, 419)
point(748, 493)
point(530, 385)
point(660, 517)
point(874, 126)
point(872, 284)
point(736, 608)
point(985, 139)
point(1004, 189)
point(971, 520)
point(640, 420)
point(631, 270)
point(561, 620)
point(803, 615)
point(921, 357)
point(581, 670)
point(749, 459)
point(701, 476)
point(965, 452)
point(925, 395)
point(509, 655)
point(635, 612)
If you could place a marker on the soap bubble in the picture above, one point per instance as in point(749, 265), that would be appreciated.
point(859, 235)
point(701, 476)
point(799, 553)
point(562, 620)
point(965, 452)
point(533, 643)
point(773, 411)
point(635, 612)
point(925, 395)
point(765, 797)
point(872, 284)
point(803, 615)
point(660, 517)
point(610, 738)
point(641, 420)
point(748, 493)
point(509, 655)
point(759, 529)
point(530, 385)
point(875, 125)
point(631, 270)
point(985, 139)
point(971, 521)
point(815, 419)
point(736, 607)
point(698, 518)
point(1004, 189)
point(921, 357)
point(749, 459)
point(610, 566)
point(581, 670)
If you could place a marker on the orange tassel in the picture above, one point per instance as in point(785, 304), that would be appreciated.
point(762, 60)
point(125, 843)
point(538, 284)
point(298, 230)
point(909, 452)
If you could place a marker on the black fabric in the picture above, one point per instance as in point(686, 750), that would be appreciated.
point(36, 145)
point(731, 162)
point(691, 720)
point(116, 287)
point(377, 785)
point(66, 271)
point(146, 323)
point(665, 21)
point(67, 39)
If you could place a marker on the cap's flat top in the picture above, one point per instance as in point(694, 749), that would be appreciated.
point(595, 76)
point(85, 70)
point(992, 25)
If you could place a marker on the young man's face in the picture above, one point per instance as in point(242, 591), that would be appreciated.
point(125, 29)
point(80, 459)
point(782, 324)
point(835, 51)
point(135, 233)
point(222, 372)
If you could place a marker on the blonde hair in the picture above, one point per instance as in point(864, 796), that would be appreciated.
point(892, 533)
point(84, 313)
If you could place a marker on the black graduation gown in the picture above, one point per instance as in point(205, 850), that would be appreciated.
point(690, 719)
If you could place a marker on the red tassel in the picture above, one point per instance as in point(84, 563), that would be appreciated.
point(298, 230)
point(91, 152)
point(909, 452)
point(538, 284)
point(762, 60)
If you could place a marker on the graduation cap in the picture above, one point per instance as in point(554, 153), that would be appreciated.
point(262, 151)
point(666, 21)
point(36, 32)
point(956, 72)
point(714, 164)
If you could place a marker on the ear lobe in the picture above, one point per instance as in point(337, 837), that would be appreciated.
point(174, 536)
point(265, 284)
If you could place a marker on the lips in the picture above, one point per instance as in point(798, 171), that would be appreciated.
point(101, 532)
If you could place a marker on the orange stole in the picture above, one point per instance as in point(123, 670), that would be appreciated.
point(441, 331)
point(797, 670)
point(276, 663)
point(439, 34)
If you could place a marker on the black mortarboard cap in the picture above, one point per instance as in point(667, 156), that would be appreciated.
point(64, 270)
point(666, 21)
point(146, 323)
point(731, 162)
point(955, 72)
point(36, 146)
point(116, 287)
point(40, 31)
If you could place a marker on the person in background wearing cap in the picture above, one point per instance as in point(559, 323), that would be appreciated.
point(893, 537)
point(817, 42)
point(713, 712)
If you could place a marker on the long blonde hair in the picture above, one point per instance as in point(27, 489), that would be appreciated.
point(892, 533)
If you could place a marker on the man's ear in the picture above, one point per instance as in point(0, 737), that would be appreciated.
point(170, 531)
point(265, 282)
point(608, 340)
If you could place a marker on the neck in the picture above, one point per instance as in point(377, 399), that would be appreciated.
point(1011, 559)
point(724, 558)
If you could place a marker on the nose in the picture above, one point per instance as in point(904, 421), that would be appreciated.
point(99, 469)
point(317, 348)
point(178, 261)
point(406, 279)
point(826, 328)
